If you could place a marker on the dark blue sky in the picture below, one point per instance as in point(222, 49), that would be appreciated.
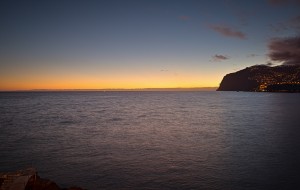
point(137, 44)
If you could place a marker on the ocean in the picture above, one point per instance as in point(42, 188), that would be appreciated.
point(154, 140)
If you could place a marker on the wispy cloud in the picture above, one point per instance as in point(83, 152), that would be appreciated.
point(285, 50)
point(218, 58)
point(227, 31)
point(252, 55)
point(164, 70)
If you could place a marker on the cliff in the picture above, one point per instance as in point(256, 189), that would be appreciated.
point(263, 78)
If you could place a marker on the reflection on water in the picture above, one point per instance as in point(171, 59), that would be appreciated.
point(154, 140)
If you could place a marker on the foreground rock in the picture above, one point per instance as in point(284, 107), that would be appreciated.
point(45, 184)
point(262, 78)
point(28, 180)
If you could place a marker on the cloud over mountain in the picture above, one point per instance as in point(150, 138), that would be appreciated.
point(285, 50)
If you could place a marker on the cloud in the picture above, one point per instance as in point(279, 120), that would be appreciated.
point(217, 58)
point(227, 31)
point(252, 55)
point(285, 50)
point(184, 17)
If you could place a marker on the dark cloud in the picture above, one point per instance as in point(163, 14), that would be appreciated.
point(285, 50)
point(184, 17)
point(227, 31)
point(218, 58)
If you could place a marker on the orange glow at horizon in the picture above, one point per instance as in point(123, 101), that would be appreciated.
point(64, 85)
point(63, 76)
point(105, 82)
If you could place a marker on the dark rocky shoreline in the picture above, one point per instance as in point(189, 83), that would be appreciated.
point(28, 179)
point(46, 184)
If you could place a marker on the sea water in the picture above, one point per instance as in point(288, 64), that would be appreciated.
point(154, 140)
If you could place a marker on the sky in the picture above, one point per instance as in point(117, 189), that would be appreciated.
point(129, 44)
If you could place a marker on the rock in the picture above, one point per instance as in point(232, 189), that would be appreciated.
point(42, 184)
point(74, 188)
point(30, 178)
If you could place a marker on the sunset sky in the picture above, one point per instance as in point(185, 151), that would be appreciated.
point(137, 44)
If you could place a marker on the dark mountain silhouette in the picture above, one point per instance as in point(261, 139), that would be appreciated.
point(263, 78)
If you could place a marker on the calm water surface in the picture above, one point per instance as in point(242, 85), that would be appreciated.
point(154, 140)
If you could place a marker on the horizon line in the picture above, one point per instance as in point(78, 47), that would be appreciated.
point(118, 89)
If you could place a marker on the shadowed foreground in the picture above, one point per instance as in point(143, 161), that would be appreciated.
point(28, 180)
